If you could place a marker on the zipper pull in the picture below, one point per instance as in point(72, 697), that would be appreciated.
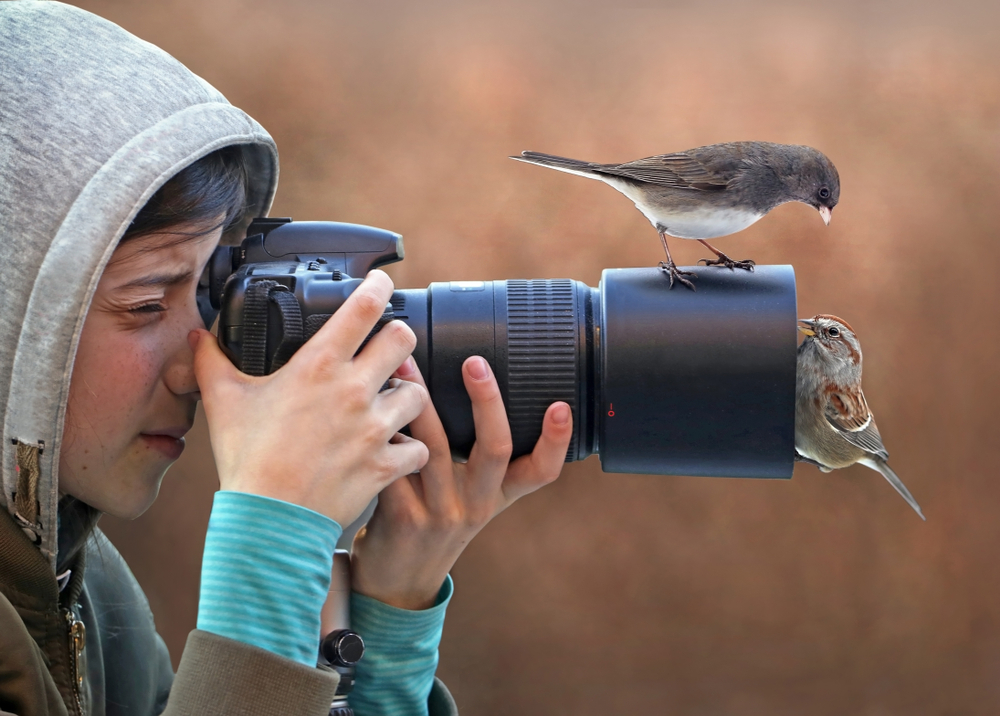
point(78, 640)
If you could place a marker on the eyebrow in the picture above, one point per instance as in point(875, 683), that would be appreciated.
point(158, 280)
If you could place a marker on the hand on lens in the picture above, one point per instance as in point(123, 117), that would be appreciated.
point(317, 432)
point(424, 521)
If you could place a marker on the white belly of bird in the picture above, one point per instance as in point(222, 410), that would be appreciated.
point(702, 223)
point(708, 223)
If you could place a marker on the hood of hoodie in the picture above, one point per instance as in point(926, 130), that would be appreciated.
point(92, 122)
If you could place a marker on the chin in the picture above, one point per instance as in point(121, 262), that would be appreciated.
point(135, 499)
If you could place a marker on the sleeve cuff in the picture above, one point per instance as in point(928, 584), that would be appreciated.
point(266, 573)
point(391, 625)
point(396, 675)
point(221, 677)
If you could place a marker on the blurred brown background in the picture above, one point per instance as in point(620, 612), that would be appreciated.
point(632, 594)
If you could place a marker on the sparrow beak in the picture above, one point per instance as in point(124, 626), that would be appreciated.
point(807, 329)
point(825, 212)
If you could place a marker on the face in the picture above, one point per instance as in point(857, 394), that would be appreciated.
point(818, 183)
point(833, 338)
point(133, 392)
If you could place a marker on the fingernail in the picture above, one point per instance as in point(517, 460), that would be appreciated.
point(561, 414)
point(193, 338)
point(409, 367)
point(478, 368)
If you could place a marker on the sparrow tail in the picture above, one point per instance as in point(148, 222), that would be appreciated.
point(563, 164)
point(882, 466)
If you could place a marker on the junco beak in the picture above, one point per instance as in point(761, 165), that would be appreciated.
point(825, 212)
point(807, 329)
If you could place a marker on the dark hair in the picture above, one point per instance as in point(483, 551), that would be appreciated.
point(207, 194)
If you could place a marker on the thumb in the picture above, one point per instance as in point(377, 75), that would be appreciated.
point(211, 366)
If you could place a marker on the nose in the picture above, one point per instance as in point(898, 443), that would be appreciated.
point(179, 372)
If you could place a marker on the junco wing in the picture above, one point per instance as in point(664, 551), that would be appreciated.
point(680, 170)
point(704, 169)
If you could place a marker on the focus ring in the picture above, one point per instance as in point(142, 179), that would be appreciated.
point(542, 339)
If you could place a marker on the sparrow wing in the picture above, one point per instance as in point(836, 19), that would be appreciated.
point(680, 170)
point(847, 411)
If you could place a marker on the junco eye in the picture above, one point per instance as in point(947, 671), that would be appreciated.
point(834, 331)
point(824, 193)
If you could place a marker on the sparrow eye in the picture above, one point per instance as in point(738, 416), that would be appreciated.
point(834, 331)
point(824, 193)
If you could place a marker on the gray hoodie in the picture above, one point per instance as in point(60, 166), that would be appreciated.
point(92, 122)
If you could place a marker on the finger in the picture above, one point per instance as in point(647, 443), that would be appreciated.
point(385, 352)
point(543, 465)
point(212, 368)
point(394, 462)
point(402, 497)
point(341, 336)
point(406, 458)
point(437, 478)
point(436, 481)
point(491, 452)
point(400, 404)
point(400, 438)
point(427, 426)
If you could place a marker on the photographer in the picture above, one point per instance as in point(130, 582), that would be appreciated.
point(121, 172)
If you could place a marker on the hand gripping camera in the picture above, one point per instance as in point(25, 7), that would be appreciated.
point(659, 381)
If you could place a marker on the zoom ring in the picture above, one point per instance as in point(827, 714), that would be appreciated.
point(542, 339)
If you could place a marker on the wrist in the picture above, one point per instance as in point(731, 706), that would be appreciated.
point(396, 587)
point(413, 600)
point(292, 494)
point(410, 602)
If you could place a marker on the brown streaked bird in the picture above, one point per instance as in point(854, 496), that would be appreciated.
point(712, 191)
point(834, 427)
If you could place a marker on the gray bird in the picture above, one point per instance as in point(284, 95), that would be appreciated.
point(834, 427)
point(713, 191)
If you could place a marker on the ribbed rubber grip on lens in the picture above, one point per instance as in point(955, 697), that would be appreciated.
point(542, 335)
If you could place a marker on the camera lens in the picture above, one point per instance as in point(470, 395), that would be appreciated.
point(659, 381)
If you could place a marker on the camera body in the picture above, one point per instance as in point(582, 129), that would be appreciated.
point(659, 381)
point(312, 261)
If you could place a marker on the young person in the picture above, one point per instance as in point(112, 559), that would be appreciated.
point(120, 171)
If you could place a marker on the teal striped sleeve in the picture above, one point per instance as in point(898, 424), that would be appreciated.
point(266, 573)
point(395, 676)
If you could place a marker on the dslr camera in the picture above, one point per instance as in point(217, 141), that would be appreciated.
point(659, 381)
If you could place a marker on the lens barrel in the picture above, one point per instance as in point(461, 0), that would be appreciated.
point(660, 381)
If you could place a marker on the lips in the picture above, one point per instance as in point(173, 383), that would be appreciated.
point(169, 442)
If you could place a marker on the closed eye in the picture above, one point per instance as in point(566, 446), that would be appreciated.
point(148, 308)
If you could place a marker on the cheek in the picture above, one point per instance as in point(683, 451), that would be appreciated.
point(113, 379)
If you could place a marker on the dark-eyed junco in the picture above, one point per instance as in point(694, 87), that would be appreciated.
point(833, 425)
point(713, 191)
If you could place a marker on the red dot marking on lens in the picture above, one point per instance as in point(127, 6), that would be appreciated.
point(611, 413)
